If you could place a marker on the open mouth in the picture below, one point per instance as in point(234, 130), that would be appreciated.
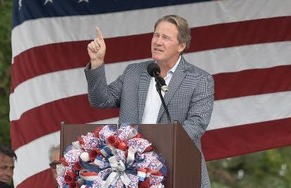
point(158, 50)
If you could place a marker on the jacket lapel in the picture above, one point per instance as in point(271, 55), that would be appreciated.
point(176, 80)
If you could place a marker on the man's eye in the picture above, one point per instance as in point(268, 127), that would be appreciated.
point(156, 35)
point(167, 38)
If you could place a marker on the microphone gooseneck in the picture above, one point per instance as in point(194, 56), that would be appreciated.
point(154, 71)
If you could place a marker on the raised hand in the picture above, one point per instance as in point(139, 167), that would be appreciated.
point(96, 50)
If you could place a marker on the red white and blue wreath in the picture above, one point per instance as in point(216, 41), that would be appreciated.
point(111, 157)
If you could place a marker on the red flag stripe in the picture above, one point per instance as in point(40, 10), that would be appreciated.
point(252, 82)
point(37, 180)
point(76, 109)
point(44, 119)
point(26, 66)
point(241, 33)
point(228, 142)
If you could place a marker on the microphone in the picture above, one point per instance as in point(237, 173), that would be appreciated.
point(154, 71)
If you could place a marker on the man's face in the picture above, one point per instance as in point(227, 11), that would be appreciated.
point(6, 168)
point(165, 45)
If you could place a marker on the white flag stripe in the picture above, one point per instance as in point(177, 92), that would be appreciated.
point(58, 85)
point(76, 28)
point(62, 84)
point(250, 109)
point(256, 56)
point(33, 157)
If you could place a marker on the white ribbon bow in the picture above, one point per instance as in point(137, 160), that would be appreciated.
point(118, 171)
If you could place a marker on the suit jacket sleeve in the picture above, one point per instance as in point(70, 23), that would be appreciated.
point(100, 94)
point(200, 109)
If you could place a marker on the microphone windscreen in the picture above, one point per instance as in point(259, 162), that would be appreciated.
point(153, 69)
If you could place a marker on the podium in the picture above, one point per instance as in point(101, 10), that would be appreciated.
point(183, 159)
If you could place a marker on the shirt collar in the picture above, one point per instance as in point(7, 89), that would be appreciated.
point(172, 70)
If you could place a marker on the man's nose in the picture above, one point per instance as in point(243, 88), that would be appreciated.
point(159, 40)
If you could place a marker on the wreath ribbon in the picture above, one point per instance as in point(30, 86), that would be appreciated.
point(118, 171)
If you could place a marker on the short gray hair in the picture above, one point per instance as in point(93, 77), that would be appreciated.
point(184, 31)
point(52, 150)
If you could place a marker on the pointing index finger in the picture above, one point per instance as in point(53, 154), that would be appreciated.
point(99, 34)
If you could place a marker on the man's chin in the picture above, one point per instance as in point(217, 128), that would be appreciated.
point(156, 58)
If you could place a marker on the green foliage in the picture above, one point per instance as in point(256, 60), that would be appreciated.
point(266, 169)
point(5, 62)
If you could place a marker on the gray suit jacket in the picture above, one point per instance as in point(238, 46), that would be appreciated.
point(189, 99)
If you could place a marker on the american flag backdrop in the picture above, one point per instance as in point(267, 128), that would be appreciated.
point(244, 44)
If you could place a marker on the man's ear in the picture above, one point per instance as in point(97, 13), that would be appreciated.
point(182, 47)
